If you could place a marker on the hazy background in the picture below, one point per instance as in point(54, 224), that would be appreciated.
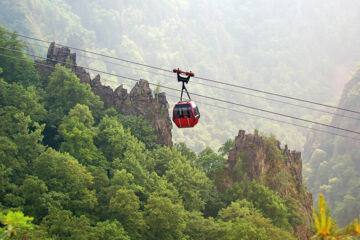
point(305, 49)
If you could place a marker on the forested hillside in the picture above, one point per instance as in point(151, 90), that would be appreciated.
point(72, 167)
point(86, 156)
point(334, 163)
point(95, 180)
point(292, 48)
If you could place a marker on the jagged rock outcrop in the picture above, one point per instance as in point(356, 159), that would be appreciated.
point(280, 169)
point(62, 56)
point(139, 102)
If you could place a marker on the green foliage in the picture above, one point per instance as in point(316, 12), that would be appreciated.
point(192, 184)
point(236, 210)
point(32, 191)
point(271, 205)
point(61, 224)
point(104, 176)
point(140, 129)
point(210, 162)
point(201, 228)
point(124, 206)
point(165, 219)
point(294, 216)
point(16, 68)
point(20, 143)
point(273, 152)
point(78, 134)
point(64, 91)
point(62, 173)
point(113, 139)
point(225, 148)
point(24, 99)
point(186, 152)
point(241, 220)
point(16, 226)
point(109, 230)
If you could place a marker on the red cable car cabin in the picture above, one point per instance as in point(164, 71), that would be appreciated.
point(186, 114)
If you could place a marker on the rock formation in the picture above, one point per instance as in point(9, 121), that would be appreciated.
point(139, 102)
point(279, 169)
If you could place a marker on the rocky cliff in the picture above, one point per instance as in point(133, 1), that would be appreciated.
point(279, 169)
point(139, 101)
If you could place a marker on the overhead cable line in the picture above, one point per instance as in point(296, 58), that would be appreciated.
point(272, 119)
point(201, 78)
point(225, 89)
point(196, 94)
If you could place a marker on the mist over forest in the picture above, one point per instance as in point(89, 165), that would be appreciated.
point(305, 49)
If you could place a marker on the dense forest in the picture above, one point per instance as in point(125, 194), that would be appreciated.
point(95, 180)
point(72, 168)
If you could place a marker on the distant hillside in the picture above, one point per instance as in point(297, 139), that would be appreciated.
point(333, 163)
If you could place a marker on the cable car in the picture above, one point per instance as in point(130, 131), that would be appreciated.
point(185, 113)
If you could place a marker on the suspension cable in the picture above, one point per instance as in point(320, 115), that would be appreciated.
point(196, 94)
point(268, 118)
point(225, 89)
point(201, 78)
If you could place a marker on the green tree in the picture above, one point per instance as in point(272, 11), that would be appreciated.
point(17, 226)
point(225, 148)
point(63, 173)
point(210, 162)
point(63, 92)
point(124, 206)
point(122, 150)
point(61, 224)
point(16, 68)
point(111, 230)
point(193, 185)
point(165, 220)
point(200, 228)
point(186, 152)
point(241, 220)
point(20, 141)
point(32, 190)
point(271, 205)
point(140, 129)
point(78, 134)
point(24, 99)
point(14, 223)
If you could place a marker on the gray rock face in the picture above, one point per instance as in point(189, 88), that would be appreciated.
point(138, 102)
